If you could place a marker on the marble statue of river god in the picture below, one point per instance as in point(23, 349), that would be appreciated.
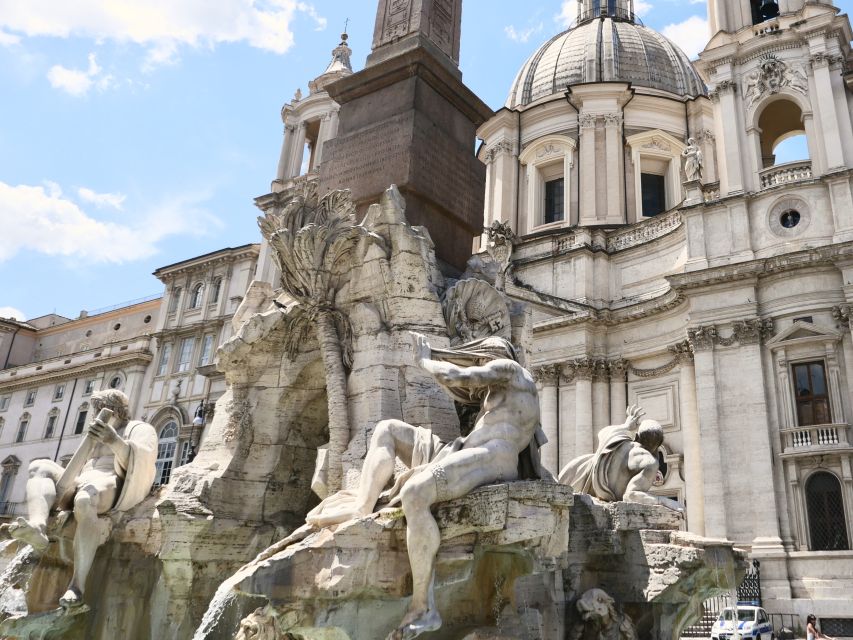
point(503, 446)
point(112, 470)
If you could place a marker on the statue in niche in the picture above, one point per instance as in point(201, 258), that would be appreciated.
point(625, 465)
point(113, 469)
point(693, 160)
point(600, 620)
point(503, 446)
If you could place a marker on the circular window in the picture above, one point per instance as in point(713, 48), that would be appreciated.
point(790, 218)
point(89, 333)
point(117, 326)
point(115, 382)
point(147, 319)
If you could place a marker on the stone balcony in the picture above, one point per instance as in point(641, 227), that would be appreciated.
point(815, 440)
point(787, 173)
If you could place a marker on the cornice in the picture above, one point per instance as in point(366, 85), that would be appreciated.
point(57, 375)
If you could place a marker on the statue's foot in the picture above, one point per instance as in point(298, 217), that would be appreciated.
point(22, 530)
point(416, 623)
point(72, 598)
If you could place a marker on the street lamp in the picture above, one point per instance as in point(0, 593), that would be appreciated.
point(198, 421)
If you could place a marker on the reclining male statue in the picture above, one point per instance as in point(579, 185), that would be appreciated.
point(624, 466)
point(503, 446)
point(117, 476)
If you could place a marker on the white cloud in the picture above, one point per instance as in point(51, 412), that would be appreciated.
point(641, 7)
point(12, 312)
point(691, 35)
point(77, 82)
point(568, 13)
point(161, 26)
point(524, 35)
point(111, 200)
point(8, 39)
point(41, 220)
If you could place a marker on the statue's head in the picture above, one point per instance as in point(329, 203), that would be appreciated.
point(114, 400)
point(597, 607)
point(650, 435)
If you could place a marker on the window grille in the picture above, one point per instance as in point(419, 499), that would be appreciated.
point(837, 627)
point(827, 524)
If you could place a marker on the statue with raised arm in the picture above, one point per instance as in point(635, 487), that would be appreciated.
point(503, 446)
point(117, 461)
point(624, 466)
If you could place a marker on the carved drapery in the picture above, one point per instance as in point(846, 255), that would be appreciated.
point(743, 332)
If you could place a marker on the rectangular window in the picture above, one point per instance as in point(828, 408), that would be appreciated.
point(185, 355)
point(22, 430)
point(185, 453)
point(811, 394)
point(555, 200)
point(4, 402)
point(206, 350)
point(58, 392)
point(89, 389)
point(31, 398)
point(81, 422)
point(51, 427)
point(165, 354)
point(654, 194)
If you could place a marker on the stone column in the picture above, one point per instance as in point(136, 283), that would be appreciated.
point(692, 439)
point(548, 378)
point(702, 341)
point(297, 152)
point(286, 152)
point(322, 136)
point(615, 166)
point(600, 397)
point(618, 390)
point(588, 195)
point(731, 179)
point(824, 101)
point(584, 434)
point(532, 198)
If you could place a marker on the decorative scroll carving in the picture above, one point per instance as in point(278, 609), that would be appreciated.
point(499, 148)
point(744, 332)
point(587, 120)
point(683, 352)
point(658, 143)
point(613, 120)
point(842, 314)
point(474, 309)
point(583, 368)
point(772, 76)
point(499, 247)
point(722, 88)
point(618, 368)
point(549, 374)
point(600, 371)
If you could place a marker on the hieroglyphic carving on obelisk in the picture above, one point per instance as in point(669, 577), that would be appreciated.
point(440, 21)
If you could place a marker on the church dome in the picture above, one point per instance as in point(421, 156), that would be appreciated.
point(606, 49)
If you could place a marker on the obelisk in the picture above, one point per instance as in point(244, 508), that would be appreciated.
point(407, 119)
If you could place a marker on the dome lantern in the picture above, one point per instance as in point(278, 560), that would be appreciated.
point(617, 9)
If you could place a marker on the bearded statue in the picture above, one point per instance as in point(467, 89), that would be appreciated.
point(600, 620)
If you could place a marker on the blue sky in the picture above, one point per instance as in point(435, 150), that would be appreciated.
point(136, 134)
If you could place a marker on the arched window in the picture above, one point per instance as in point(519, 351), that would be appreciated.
point(216, 291)
point(827, 524)
point(196, 296)
point(166, 452)
point(50, 427)
point(23, 423)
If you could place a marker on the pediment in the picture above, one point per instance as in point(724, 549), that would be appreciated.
point(11, 461)
point(800, 332)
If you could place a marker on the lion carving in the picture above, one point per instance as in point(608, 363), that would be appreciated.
point(259, 625)
point(600, 620)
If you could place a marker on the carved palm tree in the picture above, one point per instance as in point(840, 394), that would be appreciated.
point(311, 239)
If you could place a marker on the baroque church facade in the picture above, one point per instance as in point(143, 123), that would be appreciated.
point(716, 295)
point(665, 257)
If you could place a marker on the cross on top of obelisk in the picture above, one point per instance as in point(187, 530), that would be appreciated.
point(399, 22)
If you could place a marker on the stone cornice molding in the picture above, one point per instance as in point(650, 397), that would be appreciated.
point(819, 256)
point(58, 375)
